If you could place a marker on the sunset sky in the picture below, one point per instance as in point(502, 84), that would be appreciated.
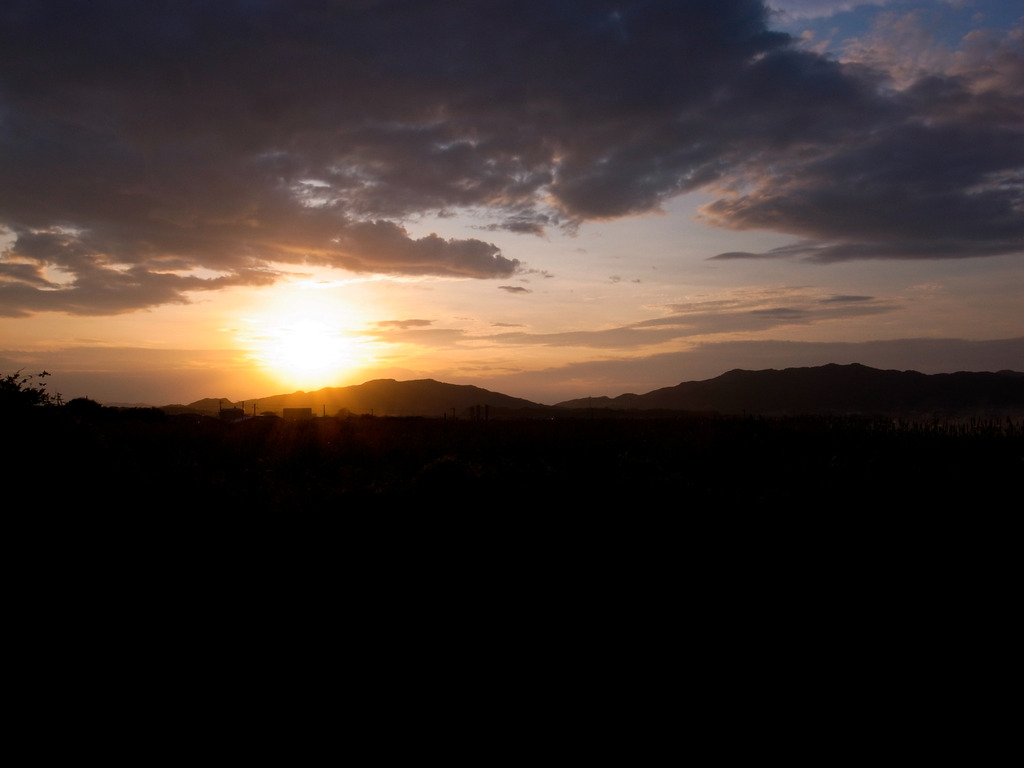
point(548, 199)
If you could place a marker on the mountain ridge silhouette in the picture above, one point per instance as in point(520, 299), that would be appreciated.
point(830, 388)
point(380, 397)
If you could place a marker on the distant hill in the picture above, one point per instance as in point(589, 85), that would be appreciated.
point(830, 389)
point(380, 397)
point(841, 389)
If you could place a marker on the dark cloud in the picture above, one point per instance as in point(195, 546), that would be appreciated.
point(841, 299)
point(145, 145)
point(383, 246)
point(908, 191)
point(102, 290)
point(932, 168)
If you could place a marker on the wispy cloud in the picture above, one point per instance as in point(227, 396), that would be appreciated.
point(403, 324)
point(809, 9)
point(741, 312)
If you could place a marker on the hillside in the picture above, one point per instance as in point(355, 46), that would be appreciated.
point(380, 397)
point(837, 389)
point(829, 389)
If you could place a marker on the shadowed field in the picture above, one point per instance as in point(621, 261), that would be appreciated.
point(140, 458)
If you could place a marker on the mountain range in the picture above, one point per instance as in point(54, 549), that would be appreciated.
point(832, 389)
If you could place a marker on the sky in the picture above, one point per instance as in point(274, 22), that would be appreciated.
point(550, 199)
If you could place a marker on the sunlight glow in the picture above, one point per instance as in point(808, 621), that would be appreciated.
point(306, 340)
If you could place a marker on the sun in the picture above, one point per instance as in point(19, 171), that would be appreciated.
point(306, 342)
point(308, 352)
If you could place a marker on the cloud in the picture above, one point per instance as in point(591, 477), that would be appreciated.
point(386, 247)
point(951, 186)
point(149, 151)
point(809, 9)
point(737, 312)
point(934, 169)
point(418, 334)
point(743, 312)
point(845, 299)
point(403, 324)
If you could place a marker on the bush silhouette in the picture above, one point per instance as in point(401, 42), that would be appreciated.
point(18, 392)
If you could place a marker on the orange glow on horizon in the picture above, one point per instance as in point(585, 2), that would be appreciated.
point(306, 339)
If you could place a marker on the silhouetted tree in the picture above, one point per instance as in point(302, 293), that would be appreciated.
point(83, 407)
point(18, 391)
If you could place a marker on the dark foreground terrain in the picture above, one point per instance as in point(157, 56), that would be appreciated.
point(142, 459)
point(856, 546)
